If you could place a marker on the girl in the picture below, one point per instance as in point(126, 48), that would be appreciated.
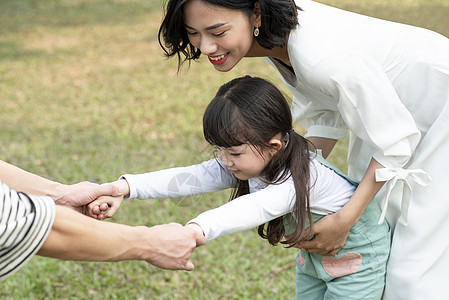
point(273, 174)
point(388, 83)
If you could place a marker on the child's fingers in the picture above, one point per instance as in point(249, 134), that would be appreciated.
point(189, 266)
point(95, 210)
point(100, 211)
point(112, 210)
point(104, 207)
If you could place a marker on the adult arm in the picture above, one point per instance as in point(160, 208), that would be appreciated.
point(324, 144)
point(332, 231)
point(34, 224)
point(77, 237)
point(73, 196)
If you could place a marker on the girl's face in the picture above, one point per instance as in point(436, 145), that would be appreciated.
point(224, 35)
point(244, 161)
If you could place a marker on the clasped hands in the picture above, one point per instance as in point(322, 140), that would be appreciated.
point(167, 246)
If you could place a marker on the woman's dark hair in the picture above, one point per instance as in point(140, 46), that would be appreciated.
point(278, 18)
point(250, 110)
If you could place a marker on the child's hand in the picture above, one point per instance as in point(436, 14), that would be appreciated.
point(104, 207)
point(200, 239)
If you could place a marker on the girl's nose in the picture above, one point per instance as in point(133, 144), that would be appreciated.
point(224, 159)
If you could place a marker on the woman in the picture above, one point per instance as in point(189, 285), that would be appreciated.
point(388, 83)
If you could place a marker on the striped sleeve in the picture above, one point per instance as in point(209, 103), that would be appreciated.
point(25, 222)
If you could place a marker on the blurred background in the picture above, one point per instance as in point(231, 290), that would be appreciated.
point(86, 94)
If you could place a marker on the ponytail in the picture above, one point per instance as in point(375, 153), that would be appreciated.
point(295, 157)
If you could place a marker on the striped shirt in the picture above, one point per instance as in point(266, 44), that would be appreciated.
point(25, 222)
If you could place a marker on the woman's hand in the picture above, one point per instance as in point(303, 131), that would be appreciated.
point(329, 236)
point(332, 231)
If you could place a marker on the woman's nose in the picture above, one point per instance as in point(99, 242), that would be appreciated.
point(208, 46)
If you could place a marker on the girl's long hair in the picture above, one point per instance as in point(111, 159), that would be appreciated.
point(250, 110)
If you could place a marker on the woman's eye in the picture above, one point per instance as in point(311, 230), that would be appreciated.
point(235, 154)
point(191, 33)
point(219, 34)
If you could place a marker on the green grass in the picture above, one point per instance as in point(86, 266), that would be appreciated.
point(86, 93)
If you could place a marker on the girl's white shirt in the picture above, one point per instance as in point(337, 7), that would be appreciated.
point(329, 192)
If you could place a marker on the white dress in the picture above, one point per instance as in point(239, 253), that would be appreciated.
point(388, 83)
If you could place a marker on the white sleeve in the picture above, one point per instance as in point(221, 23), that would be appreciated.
point(319, 121)
point(369, 105)
point(206, 177)
point(247, 211)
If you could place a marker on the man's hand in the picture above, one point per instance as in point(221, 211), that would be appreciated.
point(169, 246)
point(77, 195)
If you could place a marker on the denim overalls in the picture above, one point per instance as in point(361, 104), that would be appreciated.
point(358, 270)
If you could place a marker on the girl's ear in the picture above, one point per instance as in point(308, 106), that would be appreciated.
point(276, 142)
point(257, 15)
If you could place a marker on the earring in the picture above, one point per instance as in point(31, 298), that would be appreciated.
point(256, 31)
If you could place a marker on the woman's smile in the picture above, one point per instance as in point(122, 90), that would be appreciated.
point(218, 60)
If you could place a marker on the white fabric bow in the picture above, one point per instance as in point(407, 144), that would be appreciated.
point(392, 177)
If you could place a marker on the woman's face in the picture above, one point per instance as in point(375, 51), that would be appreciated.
point(224, 35)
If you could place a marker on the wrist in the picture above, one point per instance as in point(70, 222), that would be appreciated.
point(128, 244)
point(143, 244)
point(123, 186)
point(200, 237)
point(345, 218)
point(134, 249)
point(57, 191)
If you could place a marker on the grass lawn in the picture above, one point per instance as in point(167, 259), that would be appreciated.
point(86, 93)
